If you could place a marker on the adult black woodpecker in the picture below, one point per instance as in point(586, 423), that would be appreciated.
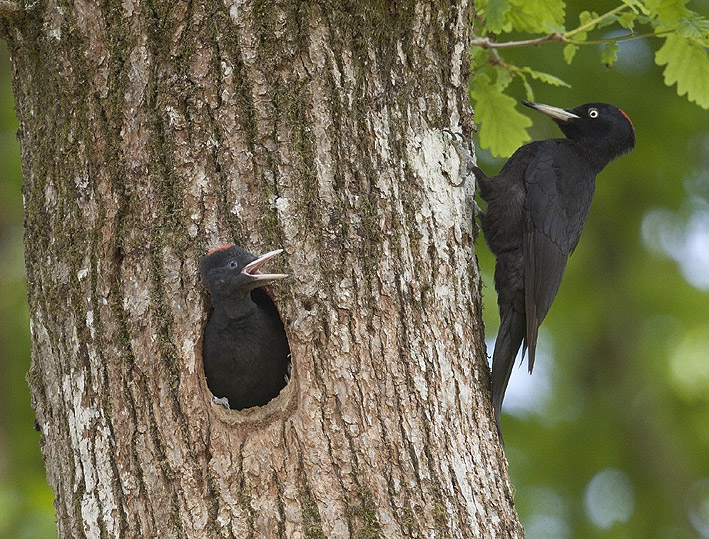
point(245, 350)
point(536, 209)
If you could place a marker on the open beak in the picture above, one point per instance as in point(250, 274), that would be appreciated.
point(252, 268)
point(555, 113)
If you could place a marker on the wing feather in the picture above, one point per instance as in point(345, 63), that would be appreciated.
point(551, 232)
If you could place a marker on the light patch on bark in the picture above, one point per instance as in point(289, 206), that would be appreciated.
point(430, 154)
point(90, 436)
point(136, 301)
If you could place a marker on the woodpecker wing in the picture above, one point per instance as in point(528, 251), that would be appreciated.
point(559, 187)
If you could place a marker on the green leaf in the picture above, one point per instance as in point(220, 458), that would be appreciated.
point(579, 37)
point(694, 26)
point(636, 6)
point(569, 52)
point(527, 88)
point(606, 21)
point(495, 16)
point(587, 16)
point(478, 55)
point(536, 16)
point(687, 66)
point(504, 77)
point(627, 20)
point(609, 54)
point(667, 11)
point(501, 128)
point(644, 19)
point(546, 78)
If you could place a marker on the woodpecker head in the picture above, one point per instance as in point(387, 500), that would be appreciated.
point(604, 130)
point(231, 272)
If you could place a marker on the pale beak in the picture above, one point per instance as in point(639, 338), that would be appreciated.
point(555, 113)
point(252, 268)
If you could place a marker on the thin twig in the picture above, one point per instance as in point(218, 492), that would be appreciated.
point(594, 22)
point(487, 43)
point(563, 37)
point(621, 38)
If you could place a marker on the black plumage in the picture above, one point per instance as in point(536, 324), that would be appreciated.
point(245, 350)
point(536, 210)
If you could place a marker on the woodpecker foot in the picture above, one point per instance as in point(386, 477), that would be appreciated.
point(467, 166)
point(466, 159)
point(223, 401)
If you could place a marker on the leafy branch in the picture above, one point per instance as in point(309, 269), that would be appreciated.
point(684, 54)
point(488, 43)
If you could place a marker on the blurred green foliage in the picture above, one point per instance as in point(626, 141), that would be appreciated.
point(618, 443)
point(26, 509)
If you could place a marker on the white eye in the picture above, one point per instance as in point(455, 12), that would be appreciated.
point(232, 264)
point(593, 113)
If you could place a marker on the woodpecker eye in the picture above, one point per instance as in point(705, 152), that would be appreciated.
point(593, 113)
point(232, 264)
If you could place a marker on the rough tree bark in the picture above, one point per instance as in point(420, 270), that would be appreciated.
point(151, 131)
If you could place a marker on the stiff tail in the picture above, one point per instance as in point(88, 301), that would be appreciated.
point(509, 339)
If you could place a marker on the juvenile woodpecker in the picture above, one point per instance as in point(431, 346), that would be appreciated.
point(245, 351)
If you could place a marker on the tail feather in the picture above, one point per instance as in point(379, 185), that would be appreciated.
point(509, 340)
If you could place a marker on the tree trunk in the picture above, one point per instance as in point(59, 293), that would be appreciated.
point(151, 132)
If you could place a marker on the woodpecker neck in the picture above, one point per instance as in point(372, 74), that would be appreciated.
point(237, 307)
point(603, 145)
point(599, 152)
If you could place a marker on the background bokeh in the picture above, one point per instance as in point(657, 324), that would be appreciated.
point(610, 435)
point(26, 510)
